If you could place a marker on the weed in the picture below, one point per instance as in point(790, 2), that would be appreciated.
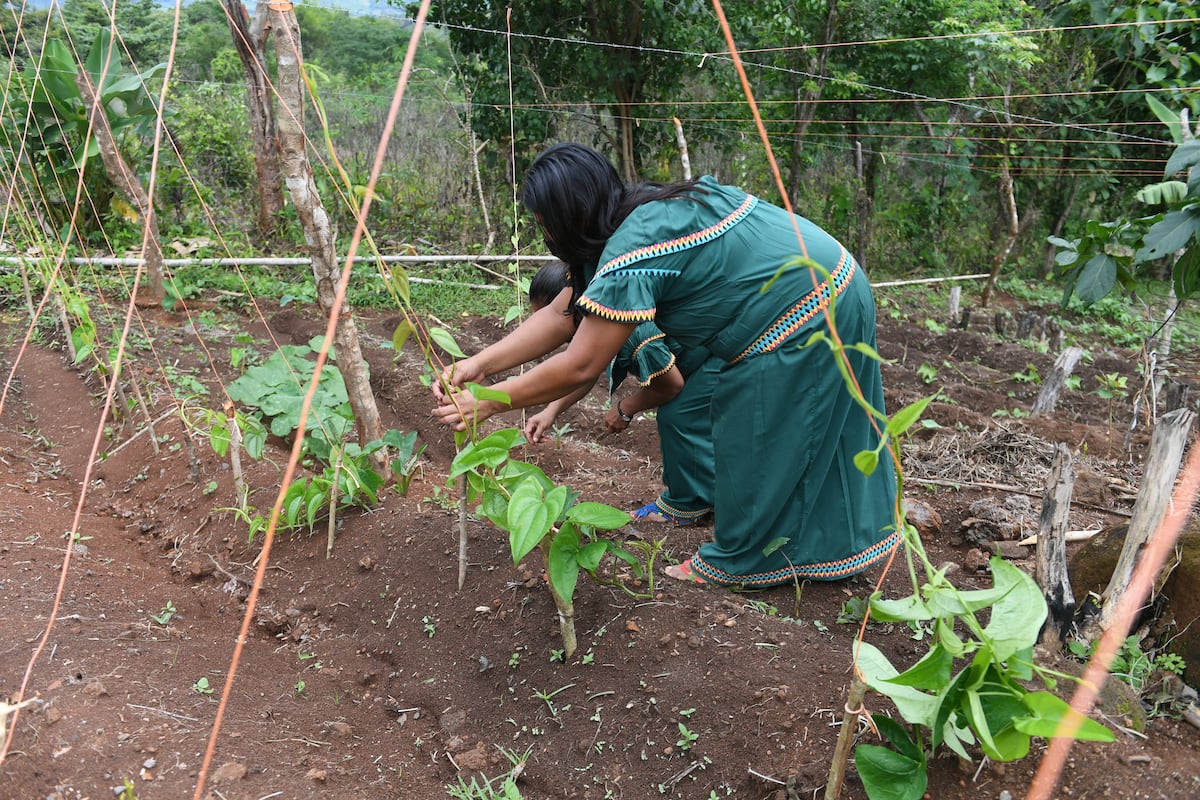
point(687, 738)
point(1030, 375)
point(560, 431)
point(501, 787)
point(164, 616)
point(927, 373)
point(548, 697)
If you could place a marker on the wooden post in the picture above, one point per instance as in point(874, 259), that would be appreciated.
point(1052, 547)
point(683, 150)
point(1064, 365)
point(955, 296)
point(1162, 466)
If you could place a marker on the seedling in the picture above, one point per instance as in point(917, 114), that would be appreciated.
point(561, 431)
point(547, 698)
point(201, 686)
point(927, 373)
point(300, 687)
point(429, 626)
point(1030, 375)
point(164, 616)
point(687, 738)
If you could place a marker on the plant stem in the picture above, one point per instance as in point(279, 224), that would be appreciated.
point(837, 769)
point(566, 609)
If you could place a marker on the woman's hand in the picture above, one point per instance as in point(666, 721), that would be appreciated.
point(457, 375)
point(460, 408)
point(539, 424)
point(613, 420)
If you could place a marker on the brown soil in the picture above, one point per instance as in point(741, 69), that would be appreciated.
point(370, 675)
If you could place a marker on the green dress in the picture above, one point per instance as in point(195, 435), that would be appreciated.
point(684, 426)
point(785, 428)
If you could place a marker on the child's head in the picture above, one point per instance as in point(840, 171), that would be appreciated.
point(547, 284)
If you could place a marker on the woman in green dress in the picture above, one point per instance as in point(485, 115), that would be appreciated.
point(714, 267)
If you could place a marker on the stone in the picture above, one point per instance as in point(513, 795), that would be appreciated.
point(923, 517)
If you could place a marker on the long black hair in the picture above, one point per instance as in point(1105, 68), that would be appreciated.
point(579, 200)
point(547, 283)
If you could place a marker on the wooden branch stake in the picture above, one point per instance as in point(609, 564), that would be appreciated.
point(1052, 547)
point(1064, 365)
point(462, 531)
point(235, 457)
point(841, 753)
point(1162, 466)
point(955, 297)
point(333, 501)
point(681, 140)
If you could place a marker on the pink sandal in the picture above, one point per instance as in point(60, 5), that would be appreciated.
point(684, 571)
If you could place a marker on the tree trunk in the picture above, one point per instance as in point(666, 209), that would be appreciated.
point(150, 293)
point(806, 100)
point(297, 175)
point(250, 39)
point(1008, 203)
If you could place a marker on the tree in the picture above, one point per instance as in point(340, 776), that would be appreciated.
point(250, 41)
point(605, 59)
point(318, 232)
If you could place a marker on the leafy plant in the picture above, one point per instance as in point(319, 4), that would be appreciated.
point(201, 686)
point(1030, 375)
point(927, 373)
point(986, 701)
point(519, 498)
point(687, 738)
point(501, 787)
point(164, 616)
point(277, 387)
point(560, 432)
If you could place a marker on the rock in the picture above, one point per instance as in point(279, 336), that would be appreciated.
point(923, 517)
point(975, 560)
point(341, 728)
point(452, 721)
point(229, 772)
point(473, 760)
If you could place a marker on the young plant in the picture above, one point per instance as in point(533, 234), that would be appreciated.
point(687, 738)
point(987, 700)
point(560, 432)
point(164, 616)
point(538, 514)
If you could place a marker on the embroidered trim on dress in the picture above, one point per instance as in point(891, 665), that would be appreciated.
point(684, 242)
point(808, 307)
point(615, 315)
point(654, 375)
point(821, 571)
point(679, 513)
point(645, 342)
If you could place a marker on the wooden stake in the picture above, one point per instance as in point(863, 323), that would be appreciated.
point(462, 531)
point(841, 753)
point(1162, 466)
point(1064, 365)
point(1052, 547)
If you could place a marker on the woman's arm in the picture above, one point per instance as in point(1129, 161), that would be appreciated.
point(662, 389)
point(595, 344)
point(537, 425)
point(544, 330)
